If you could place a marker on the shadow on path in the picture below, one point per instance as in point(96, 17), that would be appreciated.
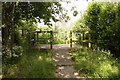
point(62, 57)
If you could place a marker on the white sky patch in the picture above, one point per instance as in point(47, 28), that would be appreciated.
point(81, 6)
point(41, 24)
point(106, 0)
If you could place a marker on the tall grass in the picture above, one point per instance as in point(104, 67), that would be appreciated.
point(96, 64)
point(35, 64)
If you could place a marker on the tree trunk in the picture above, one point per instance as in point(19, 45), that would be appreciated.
point(8, 20)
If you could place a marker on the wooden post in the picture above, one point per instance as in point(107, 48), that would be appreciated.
point(70, 39)
point(82, 34)
point(79, 42)
point(37, 38)
point(29, 38)
point(51, 39)
point(89, 41)
point(66, 38)
point(22, 33)
point(33, 39)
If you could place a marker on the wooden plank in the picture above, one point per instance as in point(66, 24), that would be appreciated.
point(81, 41)
point(75, 41)
point(42, 32)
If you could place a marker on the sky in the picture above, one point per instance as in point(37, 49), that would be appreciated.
point(81, 6)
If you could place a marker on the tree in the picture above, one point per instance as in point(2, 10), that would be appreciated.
point(102, 19)
point(8, 21)
point(14, 12)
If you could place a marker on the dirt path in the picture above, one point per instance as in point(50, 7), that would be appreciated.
point(62, 57)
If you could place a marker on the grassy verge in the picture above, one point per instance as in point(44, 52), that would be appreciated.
point(33, 64)
point(96, 64)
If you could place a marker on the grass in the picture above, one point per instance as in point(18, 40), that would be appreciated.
point(96, 64)
point(35, 64)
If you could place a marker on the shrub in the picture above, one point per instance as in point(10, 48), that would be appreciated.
point(11, 56)
point(102, 19)
point(17, 39)
point(17, 51)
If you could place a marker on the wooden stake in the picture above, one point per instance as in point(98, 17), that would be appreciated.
point(71, 39)
point(51, 39)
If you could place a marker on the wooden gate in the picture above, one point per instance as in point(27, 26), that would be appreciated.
point(36, 38)
point(81, 39)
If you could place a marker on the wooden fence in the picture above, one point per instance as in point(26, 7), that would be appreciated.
point(82, 38)
point(37, 39)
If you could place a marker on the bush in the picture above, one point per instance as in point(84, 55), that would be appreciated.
point(102, 19)
point(17, 51)
point(96, 64)
point(17, 39)
point(11, 56)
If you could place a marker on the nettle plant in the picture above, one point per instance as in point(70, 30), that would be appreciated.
point(17, 51)
point(11, 55)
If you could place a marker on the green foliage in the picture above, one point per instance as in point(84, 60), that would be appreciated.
point(36, 64)
point(26, 25)
point(17, 39)
point(78, 29)
point(23, 16)
point(43, 10)
point(45, 37)
point(61, 37)
point(96, 64)
point(11, 57)
point(80, 26)
point(102, 19)
point(17, 51)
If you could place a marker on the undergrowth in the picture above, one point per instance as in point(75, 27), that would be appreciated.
point(96, 64)
point(33, 64)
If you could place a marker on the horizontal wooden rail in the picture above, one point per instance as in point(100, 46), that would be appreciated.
point(42, 31)
point(43, 38)
point(37, 39)
point(82, 40)
point(85, 41)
